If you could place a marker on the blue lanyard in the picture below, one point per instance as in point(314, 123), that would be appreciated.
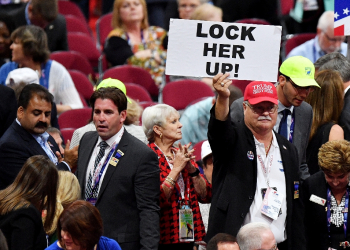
point(142, 40)
point(345, 214)
point(291, 131)
point(97, 181)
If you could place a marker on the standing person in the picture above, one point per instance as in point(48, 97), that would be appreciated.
point(132, 41)
point(251, 164)
point(27, 136)
point(44, 14)
point(295, 82)
point(29, 49)
point(326, 199)
point(80, 227)
point(182, 185)
point(327, 103)
point(21, 204)
point(119, 174)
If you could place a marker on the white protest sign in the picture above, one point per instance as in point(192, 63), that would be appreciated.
point(203, 49)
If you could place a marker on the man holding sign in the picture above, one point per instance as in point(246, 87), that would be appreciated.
point(255, 176)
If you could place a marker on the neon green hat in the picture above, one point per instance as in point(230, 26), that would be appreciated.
point(113, 83)
point(301, 70)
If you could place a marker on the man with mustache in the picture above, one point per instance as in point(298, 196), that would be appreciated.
point(27, 136)
point(325, 42)
point(294, 119)
point(255, 175)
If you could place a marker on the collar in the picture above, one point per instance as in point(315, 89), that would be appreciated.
point(346, 90)
point(115, 138)
point(44, 136)
point(273, 144)
point(281, 107)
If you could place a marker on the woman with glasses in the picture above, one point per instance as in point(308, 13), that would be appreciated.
point(326, 199)
point(327, 104)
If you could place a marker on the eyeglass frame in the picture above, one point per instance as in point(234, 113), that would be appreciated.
point(333, 40)
point(271, 111)
point(274, 247)
point(298, 88)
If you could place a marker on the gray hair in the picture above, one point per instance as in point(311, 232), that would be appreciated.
point(155, 115)
point(326, 20)
point(249, 236)
point(337, 62)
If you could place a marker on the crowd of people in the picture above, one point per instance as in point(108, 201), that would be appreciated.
point(273, 169)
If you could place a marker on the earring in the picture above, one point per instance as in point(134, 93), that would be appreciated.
point(161, 135)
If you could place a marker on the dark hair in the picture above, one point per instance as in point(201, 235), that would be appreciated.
point(35, 184)
point(335, 61)
point(220, 238)
point(5, 18)
point(29, 91)
point(34, 42)
point(48, 9)
point(83, 222)
point(114, 94)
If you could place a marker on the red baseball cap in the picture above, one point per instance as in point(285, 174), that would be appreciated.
point(257, 92)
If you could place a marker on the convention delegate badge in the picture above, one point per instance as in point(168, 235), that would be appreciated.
point(114, 161)
point(317, 200)
point(271, 204)
point(186, 229)
point(250, 155)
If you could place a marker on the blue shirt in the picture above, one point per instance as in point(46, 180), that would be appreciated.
point(195, 121)
point(312, 50)
point(103, 244)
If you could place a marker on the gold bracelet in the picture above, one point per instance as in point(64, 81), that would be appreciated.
point(170, 180)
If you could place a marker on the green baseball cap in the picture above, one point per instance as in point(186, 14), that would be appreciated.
point(301, 70)
point(113, 83)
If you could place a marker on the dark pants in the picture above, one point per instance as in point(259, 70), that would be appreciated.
point(283, 245)
point(178, 246)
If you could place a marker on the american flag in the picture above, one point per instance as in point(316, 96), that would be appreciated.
point(341, 17)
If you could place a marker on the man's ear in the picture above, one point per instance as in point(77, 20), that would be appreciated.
point(122, 116)
point(282, 80)
point(20, 113)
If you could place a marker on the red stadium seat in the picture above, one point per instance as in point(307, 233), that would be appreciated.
point(198, 150)
point(253, 21)
point(179, 94)
point(74, 60)
point(133, 74)
point(75, 118)
point(67, 134)
point(69, 8)
point(293, 41)
point(74, 24)
point(103, 27)
point(84, 44)
point(241, 84)
point(137, 92)
point(82, 84)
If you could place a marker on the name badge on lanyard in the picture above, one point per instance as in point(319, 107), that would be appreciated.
point(186, 228)
point(271, 204)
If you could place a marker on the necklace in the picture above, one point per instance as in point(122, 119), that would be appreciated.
point(268, 148)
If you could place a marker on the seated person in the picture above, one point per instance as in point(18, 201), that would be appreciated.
point(325, 42)
point(29, 49)
point(134, 42)
point(6, 28)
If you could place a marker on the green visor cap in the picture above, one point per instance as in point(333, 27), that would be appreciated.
point(301, 70)
point(113, 83)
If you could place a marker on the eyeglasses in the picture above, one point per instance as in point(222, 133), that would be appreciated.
point(185, 6)
point(261, 110)
point(333, 40)
point(299, 89)
point(274, 247)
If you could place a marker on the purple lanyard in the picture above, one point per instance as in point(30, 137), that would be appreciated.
point(142, 40)
point(98, 178)
point(291, 131)
point(329, 212)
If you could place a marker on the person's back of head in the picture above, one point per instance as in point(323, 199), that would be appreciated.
point(207, 12)
point(222, 238)
point(47, 9)
point(335, 61)
point(254, 236)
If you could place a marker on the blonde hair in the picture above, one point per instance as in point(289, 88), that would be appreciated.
point(68, 192)
point(133, 113)
point(334, 157)
point(205, 11)
point(118, 23)
point(327, 102)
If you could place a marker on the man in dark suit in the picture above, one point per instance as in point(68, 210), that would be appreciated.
point(338, 62)
point(8, 107)
point(253, 164)
point(119, 174)
point(296, 81)
point(45, 15)
point(27, 136)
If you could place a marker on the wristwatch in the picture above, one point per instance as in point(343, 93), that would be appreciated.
point(195, 173)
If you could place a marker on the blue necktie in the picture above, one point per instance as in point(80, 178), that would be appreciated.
point(44, 145)
point(89, 185)
point(283, 128)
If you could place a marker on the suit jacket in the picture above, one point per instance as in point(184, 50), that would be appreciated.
point(344, 120)
point(128, 198)
point(235, 179)
point(56, 31)
point(302, 127)
point(315, 215)
point(16, 146)
point(8, 108)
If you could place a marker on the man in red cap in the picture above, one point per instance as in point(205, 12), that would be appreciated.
point(255, 176)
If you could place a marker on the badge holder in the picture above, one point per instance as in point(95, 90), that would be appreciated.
point(271, 204)
point(186, 228)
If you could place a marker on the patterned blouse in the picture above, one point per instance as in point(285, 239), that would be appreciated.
point(122, 52)
point(169, 218)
